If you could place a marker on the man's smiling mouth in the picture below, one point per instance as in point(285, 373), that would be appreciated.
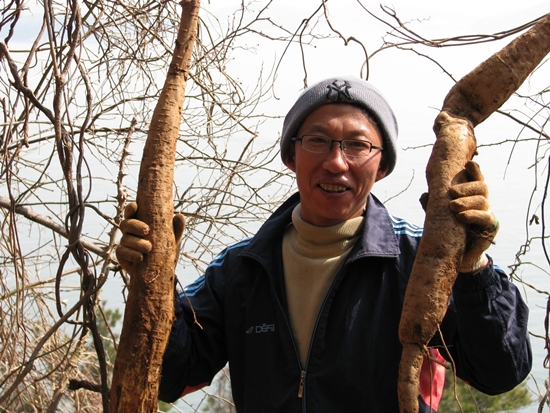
point(333, 188)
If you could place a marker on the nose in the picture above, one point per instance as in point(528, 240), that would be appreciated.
point(338, 144)
point(335, 159)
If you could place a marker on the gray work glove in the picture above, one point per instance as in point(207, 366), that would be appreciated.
point(471, 207)
point(133, 245)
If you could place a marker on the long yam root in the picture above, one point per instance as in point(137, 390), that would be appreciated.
point(468, 103)
point(149, 309)
point(485, 89)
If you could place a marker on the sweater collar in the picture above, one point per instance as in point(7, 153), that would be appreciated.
point(378, 238)
point(314, 241)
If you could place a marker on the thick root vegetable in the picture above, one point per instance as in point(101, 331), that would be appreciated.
point(149, 309)
point(439, 255)
point(469, 102)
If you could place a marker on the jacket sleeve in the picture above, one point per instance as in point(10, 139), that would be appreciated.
point(486, 331)
point(195, 351)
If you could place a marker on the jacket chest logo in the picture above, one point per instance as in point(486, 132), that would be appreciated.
point(264, 328)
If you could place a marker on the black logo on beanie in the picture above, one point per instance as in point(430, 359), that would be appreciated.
point(338, 92)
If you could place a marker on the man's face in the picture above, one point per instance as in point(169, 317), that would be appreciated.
point(334, 188)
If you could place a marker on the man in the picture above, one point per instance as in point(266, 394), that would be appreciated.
point(307, 311)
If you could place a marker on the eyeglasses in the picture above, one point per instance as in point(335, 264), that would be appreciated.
point(351, 147)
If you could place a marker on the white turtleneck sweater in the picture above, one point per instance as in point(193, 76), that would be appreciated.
point(311, 257)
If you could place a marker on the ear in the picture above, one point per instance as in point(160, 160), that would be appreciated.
point(290, 161)
point(382, 170)
point(291, 164)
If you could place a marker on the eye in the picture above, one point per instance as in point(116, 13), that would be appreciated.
point(316, 139)
point(358, 145)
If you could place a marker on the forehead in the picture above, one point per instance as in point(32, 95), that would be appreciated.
point(340, 117)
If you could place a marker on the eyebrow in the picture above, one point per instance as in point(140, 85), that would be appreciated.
point(316, 128)
point(320, 130)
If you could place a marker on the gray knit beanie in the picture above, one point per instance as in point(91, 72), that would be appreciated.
point(344, 90)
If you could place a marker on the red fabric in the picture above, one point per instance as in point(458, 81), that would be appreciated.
point(191, 389)
point(432, 379)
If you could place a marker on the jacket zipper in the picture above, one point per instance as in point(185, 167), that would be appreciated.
point(301, 387)
point(303, 372)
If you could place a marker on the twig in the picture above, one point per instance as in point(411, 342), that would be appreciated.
point(50, 224)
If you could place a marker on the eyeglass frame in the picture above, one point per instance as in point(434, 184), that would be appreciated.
point(340, 143)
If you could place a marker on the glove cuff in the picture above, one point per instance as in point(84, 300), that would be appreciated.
point(473, 265)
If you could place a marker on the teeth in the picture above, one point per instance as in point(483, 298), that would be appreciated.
point(333, 188)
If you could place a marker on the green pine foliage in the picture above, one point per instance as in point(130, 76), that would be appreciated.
point(473, 401)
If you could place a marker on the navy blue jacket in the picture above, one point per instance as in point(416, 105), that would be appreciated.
point(355, 351)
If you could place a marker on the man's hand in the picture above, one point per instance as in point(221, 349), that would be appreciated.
point(471, 206)
point(133, 246)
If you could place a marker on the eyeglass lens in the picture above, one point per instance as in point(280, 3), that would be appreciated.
point(323, 144)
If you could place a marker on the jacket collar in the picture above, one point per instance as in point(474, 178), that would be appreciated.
point(378, 239)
